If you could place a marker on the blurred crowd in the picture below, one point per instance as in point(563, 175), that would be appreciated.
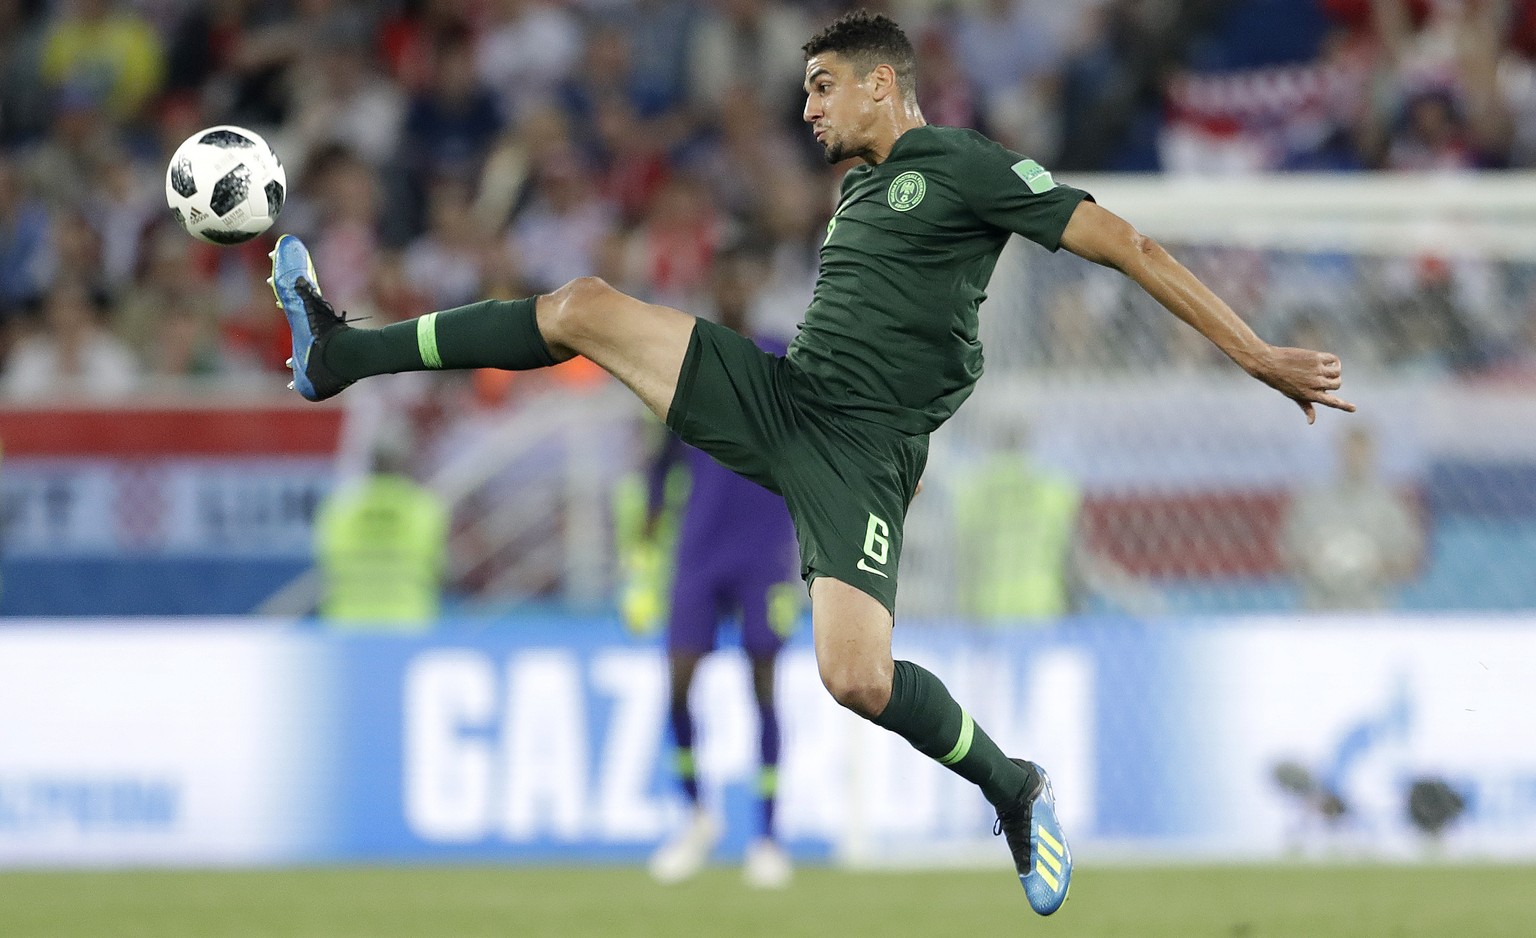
point(1418, 85)
point(441, 151)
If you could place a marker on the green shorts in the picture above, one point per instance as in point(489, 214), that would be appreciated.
point(847, 481)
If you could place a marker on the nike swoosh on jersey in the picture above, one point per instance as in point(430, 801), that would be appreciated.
point(864, 565)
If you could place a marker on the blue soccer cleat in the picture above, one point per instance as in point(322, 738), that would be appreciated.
point(311, 320)
point(1040, 851)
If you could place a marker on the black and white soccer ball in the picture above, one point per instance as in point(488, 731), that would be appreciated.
point(225, 185)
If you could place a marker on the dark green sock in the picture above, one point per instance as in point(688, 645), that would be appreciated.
point(489, 334)
point(923, 713)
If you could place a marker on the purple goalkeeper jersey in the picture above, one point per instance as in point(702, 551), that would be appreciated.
point(731, 523)
point(735, 542)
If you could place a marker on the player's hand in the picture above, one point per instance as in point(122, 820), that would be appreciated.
point(1304, 376)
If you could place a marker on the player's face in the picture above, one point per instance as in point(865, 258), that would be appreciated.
point(838, 106)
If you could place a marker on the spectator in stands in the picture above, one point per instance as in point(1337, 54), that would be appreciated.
point(659, 33)
point(170, 277)
point(746, 161)
point(1431, 136)
point(792, 217)
point(1352, 541)
point(542, 138)
point(381, 547)
point(72, 354)
point(558, 236)
point(346, 97)
point(753, 43)
point(125, 200)
point(948, 93)
point(673, 249)
point(632, 163)
point(528, 48)
point(23, 100)
point(80, 138)
point(1013, 52)
point(24, 238)
point(629, 128)
point(107, 50)
point(249, 345)
point(348, 239)
point(1122, 50)
point(1516, 80)
point(74, 250)
point(607, 73)
point(1439, 102)
point(449, 258)
point(185, 346)
point(198, 45)
point(410, 39)
point(237, 58)
point(451, 122)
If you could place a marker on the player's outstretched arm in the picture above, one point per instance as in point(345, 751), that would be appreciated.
point(1305, 376)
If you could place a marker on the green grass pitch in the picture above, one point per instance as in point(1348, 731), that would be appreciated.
point(1345, 901)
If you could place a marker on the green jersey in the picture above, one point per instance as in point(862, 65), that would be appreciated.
point(891, 333)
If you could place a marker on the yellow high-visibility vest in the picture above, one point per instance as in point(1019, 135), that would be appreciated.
point(1016, 525)
point(381, 548)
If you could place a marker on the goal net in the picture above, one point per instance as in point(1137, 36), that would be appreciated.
point(1185, 473)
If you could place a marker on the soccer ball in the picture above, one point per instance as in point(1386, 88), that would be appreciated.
point(225, 185)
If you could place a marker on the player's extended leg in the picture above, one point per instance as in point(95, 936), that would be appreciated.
point(685, 853)
point(639, 343)
point(852, 632)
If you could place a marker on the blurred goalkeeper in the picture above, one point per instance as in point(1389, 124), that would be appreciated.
point(839, 425)
point(734, 558)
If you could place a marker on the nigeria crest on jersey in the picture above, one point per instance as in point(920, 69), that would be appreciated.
point(906, 191)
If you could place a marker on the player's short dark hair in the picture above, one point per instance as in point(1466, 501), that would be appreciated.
point(867, 40)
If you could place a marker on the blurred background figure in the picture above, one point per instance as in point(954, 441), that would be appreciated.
point(447, 260)
point(183, 349)
point(172, 285)
point(347, 99)
point(1016, 535)
point(735, 559)
point(1353, 540)
point(24, 237)
point(348, 234)
point(381, 545)
point(1012, 52)
point(108, 50)
point(751, 43)
point(70, 353)
point(525, 49)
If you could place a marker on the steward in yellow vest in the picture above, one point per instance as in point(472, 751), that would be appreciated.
point(381, 546)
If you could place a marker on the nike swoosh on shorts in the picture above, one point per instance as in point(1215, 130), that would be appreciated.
point(864, 565)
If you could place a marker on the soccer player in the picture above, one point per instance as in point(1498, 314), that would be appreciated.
point(839, 426)
point(735, 555)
